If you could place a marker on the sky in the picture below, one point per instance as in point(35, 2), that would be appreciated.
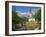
point(24, 8)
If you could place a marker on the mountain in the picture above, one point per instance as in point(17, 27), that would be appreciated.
point(28, 14)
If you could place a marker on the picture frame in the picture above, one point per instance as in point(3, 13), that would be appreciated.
point(23, 6)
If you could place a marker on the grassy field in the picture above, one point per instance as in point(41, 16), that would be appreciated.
point(27, 26)
point(31, 25)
